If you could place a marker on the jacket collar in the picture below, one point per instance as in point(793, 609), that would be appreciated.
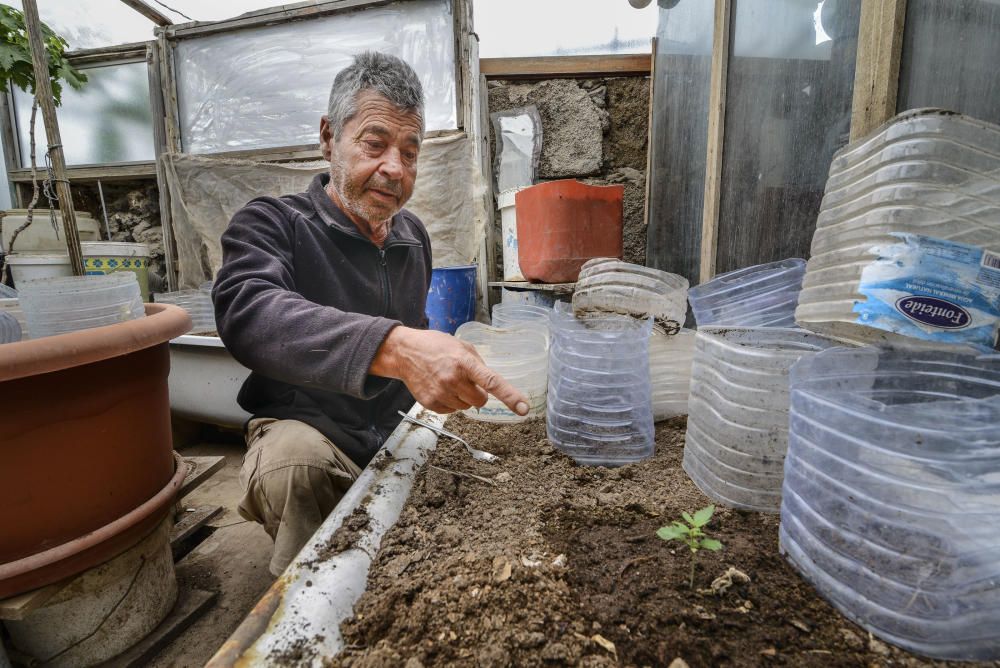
point(332, 215)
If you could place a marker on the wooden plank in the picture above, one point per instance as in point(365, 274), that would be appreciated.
point(569, 66)
point(172, 144)
point(191, 520)
point(11, 147)
point(20, 606)
point(201, 468)
point(190, 606)
point(120, 53)
point(558, 288)
point(150, 13)
point(649, 138)
point(876, 74)
point(43, 93)
point(716, 132)
point(271, 16)
point(119, 172)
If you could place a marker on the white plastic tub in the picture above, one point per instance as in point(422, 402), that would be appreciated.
point(204, 381)
point(508, 230)
point(32, 266)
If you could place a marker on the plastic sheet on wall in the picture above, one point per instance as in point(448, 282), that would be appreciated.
point(267, 87)
point(205, 193)
point(950, 55)
point(679, 136)
point(786, 115)
point(518, 135)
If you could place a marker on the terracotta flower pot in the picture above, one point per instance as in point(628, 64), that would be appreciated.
point(562, 224)
point(86, 463)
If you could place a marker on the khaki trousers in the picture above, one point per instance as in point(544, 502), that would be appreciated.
point(292, 478)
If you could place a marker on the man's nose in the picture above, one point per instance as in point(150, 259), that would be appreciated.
point(392, 164)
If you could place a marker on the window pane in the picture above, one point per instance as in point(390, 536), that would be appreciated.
point(788, 109)
point(268, 87)
point(513, 28)
point(678, 137)
point(951, 55)
point(88, 24)
point(108, 121)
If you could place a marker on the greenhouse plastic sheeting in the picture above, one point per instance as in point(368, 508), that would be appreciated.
point(206, 192)
point(267, 87)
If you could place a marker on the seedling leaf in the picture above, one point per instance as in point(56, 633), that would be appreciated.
point(711, 544)
point(671, 532)
point(702, 517)
point(687, 518)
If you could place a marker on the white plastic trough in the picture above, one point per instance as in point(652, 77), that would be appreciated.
point(304, 608)
point(204, 381)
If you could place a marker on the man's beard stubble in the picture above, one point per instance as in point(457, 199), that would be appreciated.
point(351, 195)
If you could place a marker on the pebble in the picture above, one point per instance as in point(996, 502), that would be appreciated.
point(414, 662)
point(504, 477)
point(852, 639)
point(678, 663)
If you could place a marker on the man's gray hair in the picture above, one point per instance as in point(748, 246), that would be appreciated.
point(381, 73)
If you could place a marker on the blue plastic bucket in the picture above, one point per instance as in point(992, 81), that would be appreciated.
point(451, 301)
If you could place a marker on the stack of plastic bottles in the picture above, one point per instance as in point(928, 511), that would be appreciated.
point(908, 230)
point(892, 491)
point(599, 400)
point(519, 354)
point(607, 285)
point(670, 359)
point(198, 304)
point(764, 295)
point(517, 315)
point(737, 430)
point(68, 304)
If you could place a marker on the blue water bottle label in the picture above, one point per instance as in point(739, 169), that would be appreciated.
point(933, 289)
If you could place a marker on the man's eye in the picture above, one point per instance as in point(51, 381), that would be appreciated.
point(374, 145)
point(410, 155)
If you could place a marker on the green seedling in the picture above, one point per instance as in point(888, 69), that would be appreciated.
point(689, 532)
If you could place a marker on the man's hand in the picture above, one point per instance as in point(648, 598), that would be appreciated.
point(443, 373)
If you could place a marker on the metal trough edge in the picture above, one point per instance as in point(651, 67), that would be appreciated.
point(300, 615)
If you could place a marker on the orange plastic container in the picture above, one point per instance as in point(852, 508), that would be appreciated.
point(562, 224)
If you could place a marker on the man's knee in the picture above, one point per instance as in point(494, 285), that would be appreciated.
point(292, 467)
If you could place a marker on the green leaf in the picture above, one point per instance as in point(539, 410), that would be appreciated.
point(670, 532)
point(711, 544)
point(8, 54)
point(687, 518)
point(702, 517)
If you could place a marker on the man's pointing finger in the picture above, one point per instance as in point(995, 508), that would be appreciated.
point(495, 384)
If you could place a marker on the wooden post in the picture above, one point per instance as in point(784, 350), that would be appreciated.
point(43, 93)
point(649, 140)
point(716, 133)
point(876, 74)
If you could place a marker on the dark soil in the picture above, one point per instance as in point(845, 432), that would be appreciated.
point(550, 563)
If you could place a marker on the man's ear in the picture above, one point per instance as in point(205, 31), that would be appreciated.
point(325, 138)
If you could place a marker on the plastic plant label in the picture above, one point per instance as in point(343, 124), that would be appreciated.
point(933, 289)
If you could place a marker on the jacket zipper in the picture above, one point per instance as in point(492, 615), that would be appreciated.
point(387, 305)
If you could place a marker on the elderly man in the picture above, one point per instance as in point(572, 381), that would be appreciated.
point(322, 296)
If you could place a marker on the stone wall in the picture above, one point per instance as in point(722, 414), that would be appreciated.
point(594, 130)
point(133, 209)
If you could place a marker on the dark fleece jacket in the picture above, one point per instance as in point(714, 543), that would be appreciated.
point(304, 300)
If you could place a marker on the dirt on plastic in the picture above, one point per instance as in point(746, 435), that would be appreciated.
point(547, 563)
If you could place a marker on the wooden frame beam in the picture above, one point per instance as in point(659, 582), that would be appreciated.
point(118, 172)
point(716, 136)
point(876, 73)
point(271, 16)
point(149, 12)
point(545, 67)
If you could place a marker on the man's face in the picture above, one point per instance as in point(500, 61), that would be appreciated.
point(374, 162)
